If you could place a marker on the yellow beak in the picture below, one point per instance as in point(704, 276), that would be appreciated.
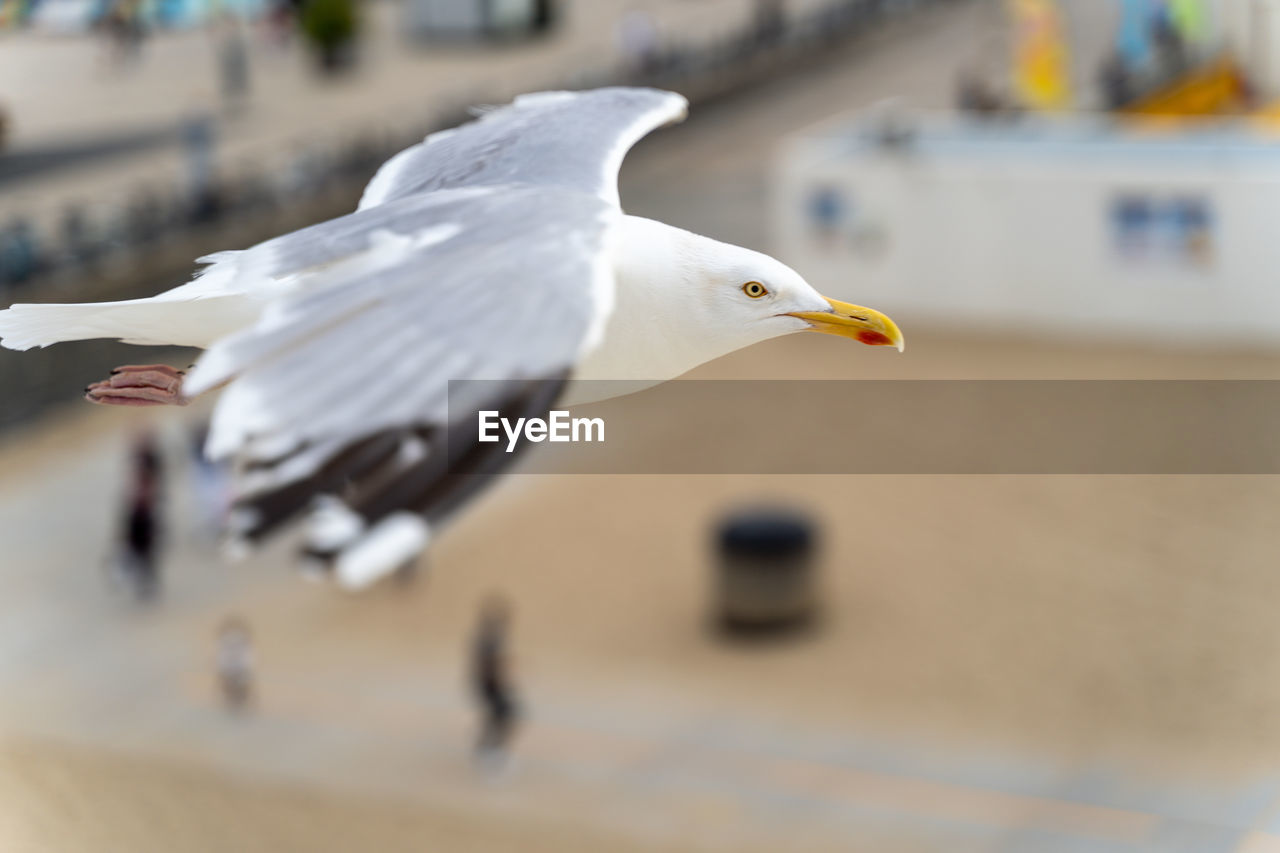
point(853, 321)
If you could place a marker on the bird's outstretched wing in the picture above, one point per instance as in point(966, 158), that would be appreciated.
point(480, 253)
point(570, 140)
point(341, 388)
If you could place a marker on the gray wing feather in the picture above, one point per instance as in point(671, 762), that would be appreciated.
point(514, 292)
point(571, 140)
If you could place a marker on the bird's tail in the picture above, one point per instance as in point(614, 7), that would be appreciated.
point(156, 320)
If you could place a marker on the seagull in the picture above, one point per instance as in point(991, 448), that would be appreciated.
point(495, 251)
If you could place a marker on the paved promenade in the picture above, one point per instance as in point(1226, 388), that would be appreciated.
point(943, 705)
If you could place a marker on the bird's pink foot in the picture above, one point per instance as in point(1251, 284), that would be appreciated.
point(139, 385)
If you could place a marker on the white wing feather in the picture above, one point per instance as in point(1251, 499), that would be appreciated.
point(570, 140)
point(516, 290)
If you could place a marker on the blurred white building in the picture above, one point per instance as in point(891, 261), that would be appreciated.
point(1073, 227)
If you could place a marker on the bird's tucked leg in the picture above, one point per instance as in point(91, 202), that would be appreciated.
point(139, 385)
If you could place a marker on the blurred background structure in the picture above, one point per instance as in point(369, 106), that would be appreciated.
point(1034, 190)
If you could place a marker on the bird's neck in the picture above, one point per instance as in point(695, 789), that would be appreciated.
point(657, 330)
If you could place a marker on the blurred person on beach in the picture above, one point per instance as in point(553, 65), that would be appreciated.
point(76, 235)
point(1115, 81)
point(124, 28)
point(638, 43)
point(491, 681)
point(281, 21)
point(19, 254)
point(544, 15)
point(233, 60)
point(140, 528)
point(199, 137)
point(235, 663)
point(1172, 56)
point(769, 23)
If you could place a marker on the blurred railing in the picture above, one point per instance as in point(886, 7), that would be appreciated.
point(147, 241)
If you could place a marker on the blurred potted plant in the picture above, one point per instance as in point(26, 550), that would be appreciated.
point(331, 26)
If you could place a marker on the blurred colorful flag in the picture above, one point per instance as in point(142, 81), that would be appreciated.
point(1189, 19)
point(1041, 57)
point(1133, 36)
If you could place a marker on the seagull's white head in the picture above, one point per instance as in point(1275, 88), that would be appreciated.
point(745, 296)
point(684, 299)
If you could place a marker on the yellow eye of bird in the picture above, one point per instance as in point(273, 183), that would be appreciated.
point(754, 289)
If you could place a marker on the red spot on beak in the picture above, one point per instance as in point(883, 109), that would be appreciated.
point(874, 339)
